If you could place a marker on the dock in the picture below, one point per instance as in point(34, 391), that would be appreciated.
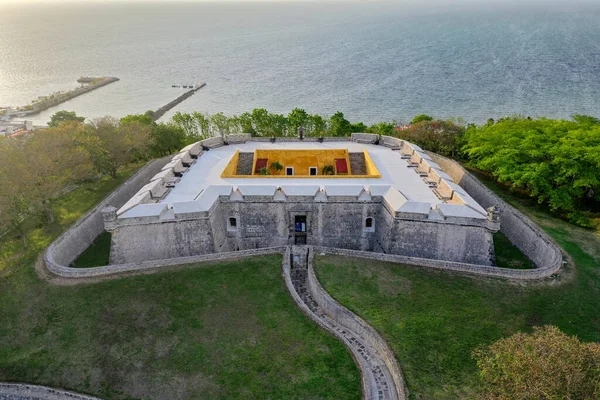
point(44, 103)
point(163, 110)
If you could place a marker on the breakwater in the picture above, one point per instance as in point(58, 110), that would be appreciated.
point(161, 111)
point(45, 103)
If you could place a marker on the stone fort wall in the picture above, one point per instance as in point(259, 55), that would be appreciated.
point(80, 236)
point(521, 231)
point(335, 224)
point(518, 228)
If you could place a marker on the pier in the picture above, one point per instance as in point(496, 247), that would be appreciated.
point(161, 111)
point(44, 103)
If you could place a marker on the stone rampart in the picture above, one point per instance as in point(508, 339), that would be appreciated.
point(238, 138)
point(80, 236)
point(289, 139)
point(367, 138)
point(356, 324)
point(521, 231)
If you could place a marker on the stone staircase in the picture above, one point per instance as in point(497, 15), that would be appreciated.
point(377, 379)
point(245, 162)
point(357, 164)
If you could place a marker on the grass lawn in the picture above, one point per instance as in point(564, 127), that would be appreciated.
point(433, 320)
point(224, 331)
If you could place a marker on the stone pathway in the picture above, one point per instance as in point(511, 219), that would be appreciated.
point(17, 391)
point(245, 163)
point(379, 381)
point(357, 164)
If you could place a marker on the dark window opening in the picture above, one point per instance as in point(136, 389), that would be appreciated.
point(312, 171)
point(289, 171)
point(369, 223)
point(232, 223)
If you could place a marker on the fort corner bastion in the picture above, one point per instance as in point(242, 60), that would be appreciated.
point(364, 193)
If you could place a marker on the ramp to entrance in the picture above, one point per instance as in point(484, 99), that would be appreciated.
point(382, 378)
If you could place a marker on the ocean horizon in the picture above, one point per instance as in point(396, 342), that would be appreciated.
point(373, 61)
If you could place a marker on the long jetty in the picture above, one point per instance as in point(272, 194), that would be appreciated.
point(161, 111)
point(56, 99)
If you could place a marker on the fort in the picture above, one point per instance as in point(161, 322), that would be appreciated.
point(363, 193)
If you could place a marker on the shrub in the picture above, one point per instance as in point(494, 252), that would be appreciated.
point(546, 364)
point(276, 166)
point(328, 170)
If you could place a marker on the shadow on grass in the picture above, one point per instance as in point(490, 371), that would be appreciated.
point(97, 255)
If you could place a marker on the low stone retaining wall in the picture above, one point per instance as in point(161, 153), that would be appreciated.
point(64, 250)
point(356, 324)
point(117, 269)
point(521, 231)
point(471, 269)
point(24, 391)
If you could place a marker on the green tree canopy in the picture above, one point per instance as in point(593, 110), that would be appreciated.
point(421, 118)
point(64, 116)
point(339, 126)
point(555, 161)
point(443, 137)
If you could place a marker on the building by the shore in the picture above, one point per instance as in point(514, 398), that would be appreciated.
point(365, 193)
point(11, 128)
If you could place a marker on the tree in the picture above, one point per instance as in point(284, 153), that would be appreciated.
point(29, 187)
point(187, 123)
point(383, 128)
point(328, 170)
point(319, 125)
point(358, 127)
point(64, 116)
point(420, 118)
point(245, 122)
point(166, 139)
point(202, 125)
point(554, 161)
point(340, 126)
point(150, 113)
point(546, 364)
point(112, 145)
point(220, 124)
point(143, 119)
point(297, 118)
point(261, 121)
point(586, 120)
point(279, 125)
point(276, 166)
point(443, 137)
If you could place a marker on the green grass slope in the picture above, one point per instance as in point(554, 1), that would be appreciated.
point(222, 331)
point(433, 320)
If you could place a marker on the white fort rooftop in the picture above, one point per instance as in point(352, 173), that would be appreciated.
point(408, 180)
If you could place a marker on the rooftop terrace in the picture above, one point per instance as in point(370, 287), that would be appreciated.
point(400, 172)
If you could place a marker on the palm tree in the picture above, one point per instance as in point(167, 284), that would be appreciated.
point(328, 170)
point(277, 167)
